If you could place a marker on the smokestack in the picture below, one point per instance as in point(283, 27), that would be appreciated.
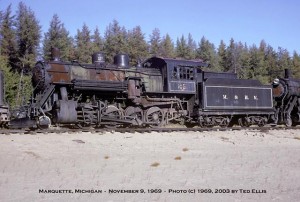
point(55, 54)
point(287, 74)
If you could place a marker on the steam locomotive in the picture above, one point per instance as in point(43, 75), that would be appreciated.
point(155, 93)
point(286, 92)
point(4, 109)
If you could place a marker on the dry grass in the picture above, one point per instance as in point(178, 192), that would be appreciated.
point(224, 138)
point(32, 154)
point(177, 158)
point(79, 141)
point(297, 138)
point(155, 164)
point(185, 149)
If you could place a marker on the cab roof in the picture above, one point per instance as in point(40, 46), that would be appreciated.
point(160, 61)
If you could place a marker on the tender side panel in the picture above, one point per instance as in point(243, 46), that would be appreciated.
point(228, 97)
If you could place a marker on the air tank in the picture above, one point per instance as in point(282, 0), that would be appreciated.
point(287, 73)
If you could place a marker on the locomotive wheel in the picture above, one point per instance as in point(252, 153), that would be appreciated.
point(288, 122)
point(134, 112)
point(201, 121)
point(225, 122)
point(44, 122)
point(262, 122)
point(154, 117)
point(87, 122)
point(208, 122)
point(243, 122)
point(205, 122)
point(240, 121)
point(112, 112)
point(86, 117)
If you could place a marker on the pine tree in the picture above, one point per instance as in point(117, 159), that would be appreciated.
point(257, 63)
point(8, 36)
point(28, 33)
point(206, 51)
point(11, 80)
point(84, 45)
point(262, 68)
point(115, 40)
point(253, 62)
point(167, 47)
point(271, 63)
point(283, 61)
point(222, 56)
point(155, 43)
point(231, 57)
point(296, 65)
point(67, 46)
point(8, 55)
point(203, 50)
point(97, 41)
point(244, 60)
point(137, 46)
point(191, 47)
point(241, 60)
point(181, 48)
point(57, 37)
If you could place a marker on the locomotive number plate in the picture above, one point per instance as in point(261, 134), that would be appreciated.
point(182, 86)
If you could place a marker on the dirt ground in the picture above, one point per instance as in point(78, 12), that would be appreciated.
point(195, 166)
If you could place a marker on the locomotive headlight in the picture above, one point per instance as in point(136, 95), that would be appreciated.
point(278, 89)
point(276, 81)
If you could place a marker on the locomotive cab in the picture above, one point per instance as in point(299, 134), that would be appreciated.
point(177, 76)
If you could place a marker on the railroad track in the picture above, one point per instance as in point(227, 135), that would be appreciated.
point(140, 130)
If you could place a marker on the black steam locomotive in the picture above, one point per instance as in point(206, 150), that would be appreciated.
point(154, 93)
point(286, 92)
point(4, 109)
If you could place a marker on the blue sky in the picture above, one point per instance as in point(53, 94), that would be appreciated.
point(248, 21)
